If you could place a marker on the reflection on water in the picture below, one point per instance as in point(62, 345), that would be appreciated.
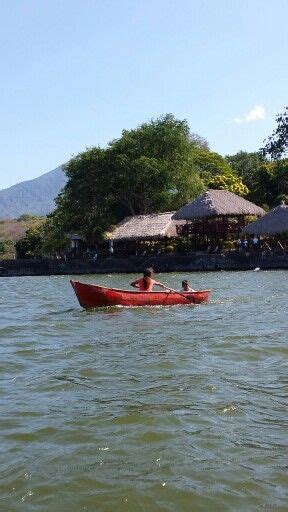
point(144, 409)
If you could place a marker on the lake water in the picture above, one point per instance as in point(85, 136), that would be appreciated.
point(167, 409)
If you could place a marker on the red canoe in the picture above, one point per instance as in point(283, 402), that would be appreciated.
point(94, 296)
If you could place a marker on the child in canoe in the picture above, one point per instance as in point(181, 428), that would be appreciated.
point(186, 287)
point(146, 283)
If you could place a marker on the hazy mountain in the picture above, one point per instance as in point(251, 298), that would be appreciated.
point(32, 196)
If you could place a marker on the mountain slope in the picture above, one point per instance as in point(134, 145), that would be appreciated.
point(33, 196)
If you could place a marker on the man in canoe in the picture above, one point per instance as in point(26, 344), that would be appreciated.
point(146, 283)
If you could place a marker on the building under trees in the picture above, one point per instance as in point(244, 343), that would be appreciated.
point(141, 234)
point(207, 223)
point(215, 219)
point(273, 227)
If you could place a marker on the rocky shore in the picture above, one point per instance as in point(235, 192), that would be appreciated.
point(161, 263)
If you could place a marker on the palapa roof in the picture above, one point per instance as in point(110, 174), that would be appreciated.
point(144, 227)
point(274, 222)
point(215, 203)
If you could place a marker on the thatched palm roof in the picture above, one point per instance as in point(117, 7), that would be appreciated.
point(144, 227)
point(215, 203)
point(274, 222)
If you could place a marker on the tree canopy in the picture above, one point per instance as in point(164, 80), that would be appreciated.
point(30, 244)
point(152, 168)
point(277, 144)
point(246, 166)
point(209, 164)
point(228, 182)
point(271, 184)
point(267, 180)
point(156, 167)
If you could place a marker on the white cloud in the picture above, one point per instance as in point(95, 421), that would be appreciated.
point(257, 113)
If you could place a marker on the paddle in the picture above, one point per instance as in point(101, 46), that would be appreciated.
point(190, 299)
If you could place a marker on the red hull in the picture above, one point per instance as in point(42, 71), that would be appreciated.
point(94, 296)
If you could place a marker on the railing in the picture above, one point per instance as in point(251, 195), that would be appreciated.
point(207, 228)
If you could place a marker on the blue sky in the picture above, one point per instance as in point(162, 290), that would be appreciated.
point(74, 73)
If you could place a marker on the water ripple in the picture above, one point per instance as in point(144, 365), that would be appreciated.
point(142, 409)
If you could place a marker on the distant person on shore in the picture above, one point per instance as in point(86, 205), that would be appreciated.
point(186, 287)
point(146, 283)
point(245, 244)
point(110, 248)
point(255, 242)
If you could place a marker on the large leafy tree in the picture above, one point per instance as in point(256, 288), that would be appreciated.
point(267, 180)
point(209, 164)
point(85, 203)
point(273, 178)
point(148, 169)
point(246, 166)
point(30, 244)
point(159, 166)
point(277, 144)
point(271, 185)
point(152, 167)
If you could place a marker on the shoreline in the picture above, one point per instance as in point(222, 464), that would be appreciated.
point(194, 262)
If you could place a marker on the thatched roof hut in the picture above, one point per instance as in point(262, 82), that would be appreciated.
point(273, 223)
point(144, 227)
point(217, 203)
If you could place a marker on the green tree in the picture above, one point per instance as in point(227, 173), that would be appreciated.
point(209, 164)
point(85, 203)
point(7, 250)
point(271, 186)
point(246, 166)
point(30, 244)
point(54, 239)
point(148, 169)
point(152, 166)
point(158, 166)
point(272, 182)
point(277, 144)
